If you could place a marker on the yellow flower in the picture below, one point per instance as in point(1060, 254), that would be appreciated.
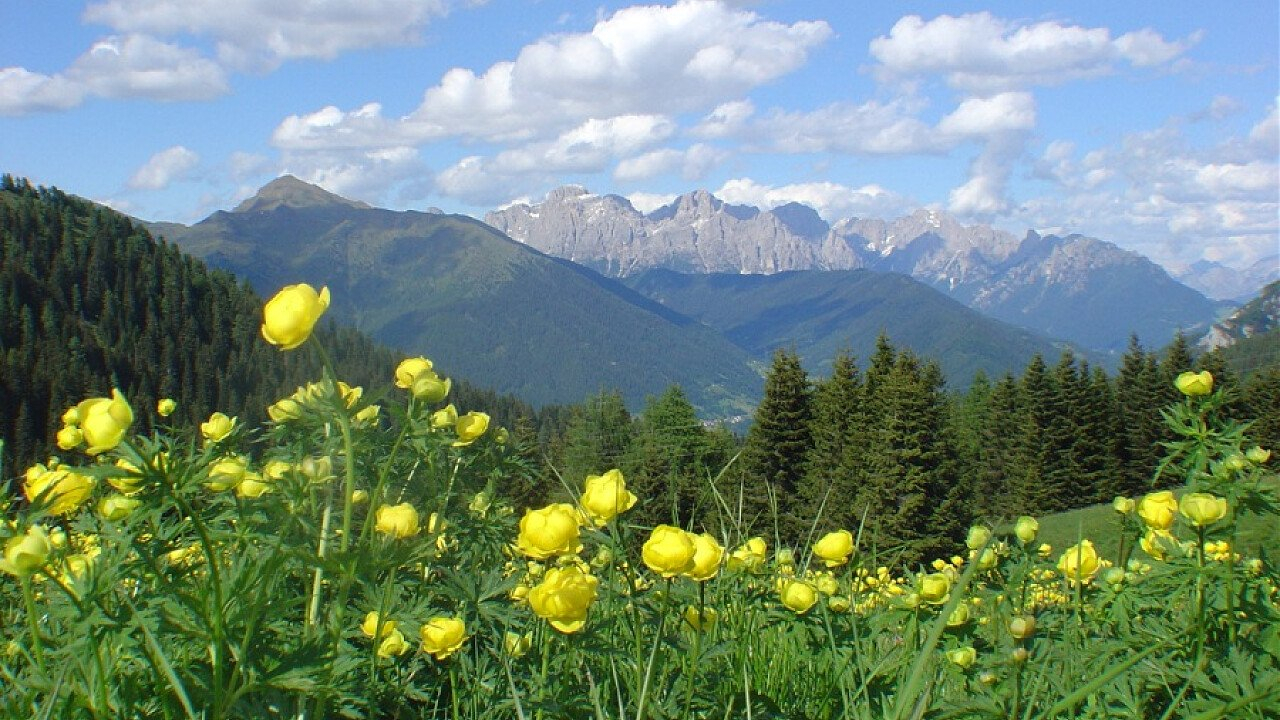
point(1079, 563)
point(69, 437)
point(284, 410)
point(1123, 505)
point(750, 556)
point(1202, 509)
point(103, 422)
point(27, 553)
point(289, 317)
point(444, 417)
point(834, 548)
point(563, 597)
point(165, 407)
point(1024, 626)
point(516, 644)
point(117, 507)
point(1157, 510)
point(701, 621)
point(252, 486)
point(393, 644)
point(372, 628)
point(398, 521)
point(798, 596)
point(227, 473)
point(367, 416)
point(217, 427)
point(443, 636)
point(605, 496)
point(1257, 455)
point(669, 551)
point(978, 536)
point(62, 490)
point(963, 657)
point(935, 588)
point(1193, 383)
point(430, 388)
point(958, 617)
point(470, 427)
point(548, 532)
point(71, 416)
point(1157, 543)
point(1026, 529)
point(409, 369)
point(707, 554)
point(825, 582)
point(317, 470)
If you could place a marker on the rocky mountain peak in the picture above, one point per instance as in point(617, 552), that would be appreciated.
point(289, 191)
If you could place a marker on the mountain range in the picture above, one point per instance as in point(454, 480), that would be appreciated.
point(509, 317)
point(1083, 290)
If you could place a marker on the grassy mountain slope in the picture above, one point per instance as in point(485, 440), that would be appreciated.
point(820, 312)
point(474, 300)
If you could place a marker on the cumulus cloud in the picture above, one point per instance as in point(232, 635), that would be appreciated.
point(648, 202)
point(692, 163)
point(832, 201)
point(164, 168)
point(364, 175)
point(982, 53)
point(688, 57)
point(1158, 193)
point(131, 66)
point(260, 34)
point(870, 128)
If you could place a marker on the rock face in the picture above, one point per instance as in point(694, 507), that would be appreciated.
point(1258, 316)
point(1223, 283)
point(1076, 288)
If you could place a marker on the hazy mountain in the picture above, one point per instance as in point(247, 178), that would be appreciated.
point(1259, 316)
point(1220, 282)
point(1084, 290)
point(473, 300)
point(818, 313)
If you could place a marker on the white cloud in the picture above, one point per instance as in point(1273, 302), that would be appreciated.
point(983, 53)
point(871, 128)
point(692, 163)
point(832, 201)
point(22, 92)
point(688, 57)
point(262, 33)
point(1006, 112)
point(648, 202)
point(726, 120)
point(363, 175)
point(164, 168)
point(138, 66)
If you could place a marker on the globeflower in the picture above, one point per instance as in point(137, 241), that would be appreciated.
point(289, 317)
point(103, 422)
point(563, 597)
point(165, 407)
point(444, 417)
point(409, 369)
point(1202, 509)
point(62, 491)
point(470, 427)
point(1026, 529)
point(227, 473)
point(1157, 543)
point(605, 496)
point(217, 427)
point(798, 596)
point(935, 588)
point(1193, 383)
point(1079, 563)
point(834, 548)
point(669, 551)
point(117, 507)
point(707, 554)
point(430, 388)
point(69, 437)
point(1123, 505)
point(398, 521)
point(27, 553)
point(963, 657)
point(549, 531)
point(977, 537)
point(393, 644)
point(442, 636)
point(1157, 509)
point(374, 627)
point(750, 556)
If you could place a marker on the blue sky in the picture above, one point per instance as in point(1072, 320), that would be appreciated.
point(1152, 126)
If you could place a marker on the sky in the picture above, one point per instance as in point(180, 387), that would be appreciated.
point(1153, 126)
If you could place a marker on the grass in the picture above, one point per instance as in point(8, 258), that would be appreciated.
point(1256, 534)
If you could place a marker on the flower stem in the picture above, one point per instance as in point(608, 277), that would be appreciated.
point(33, 624)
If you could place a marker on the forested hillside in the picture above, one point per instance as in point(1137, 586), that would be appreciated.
point(89, 301)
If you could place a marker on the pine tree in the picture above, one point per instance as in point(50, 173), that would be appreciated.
point(837, 438)
point(670, 461)
point(775, 449)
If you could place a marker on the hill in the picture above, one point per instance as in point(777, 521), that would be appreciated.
point(818, 313)
point(460, 292)
point(90, 301)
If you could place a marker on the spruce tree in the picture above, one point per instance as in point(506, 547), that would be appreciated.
point(837, 439)
point(775, 449)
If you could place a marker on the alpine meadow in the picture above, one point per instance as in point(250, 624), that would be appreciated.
point(678, 360)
